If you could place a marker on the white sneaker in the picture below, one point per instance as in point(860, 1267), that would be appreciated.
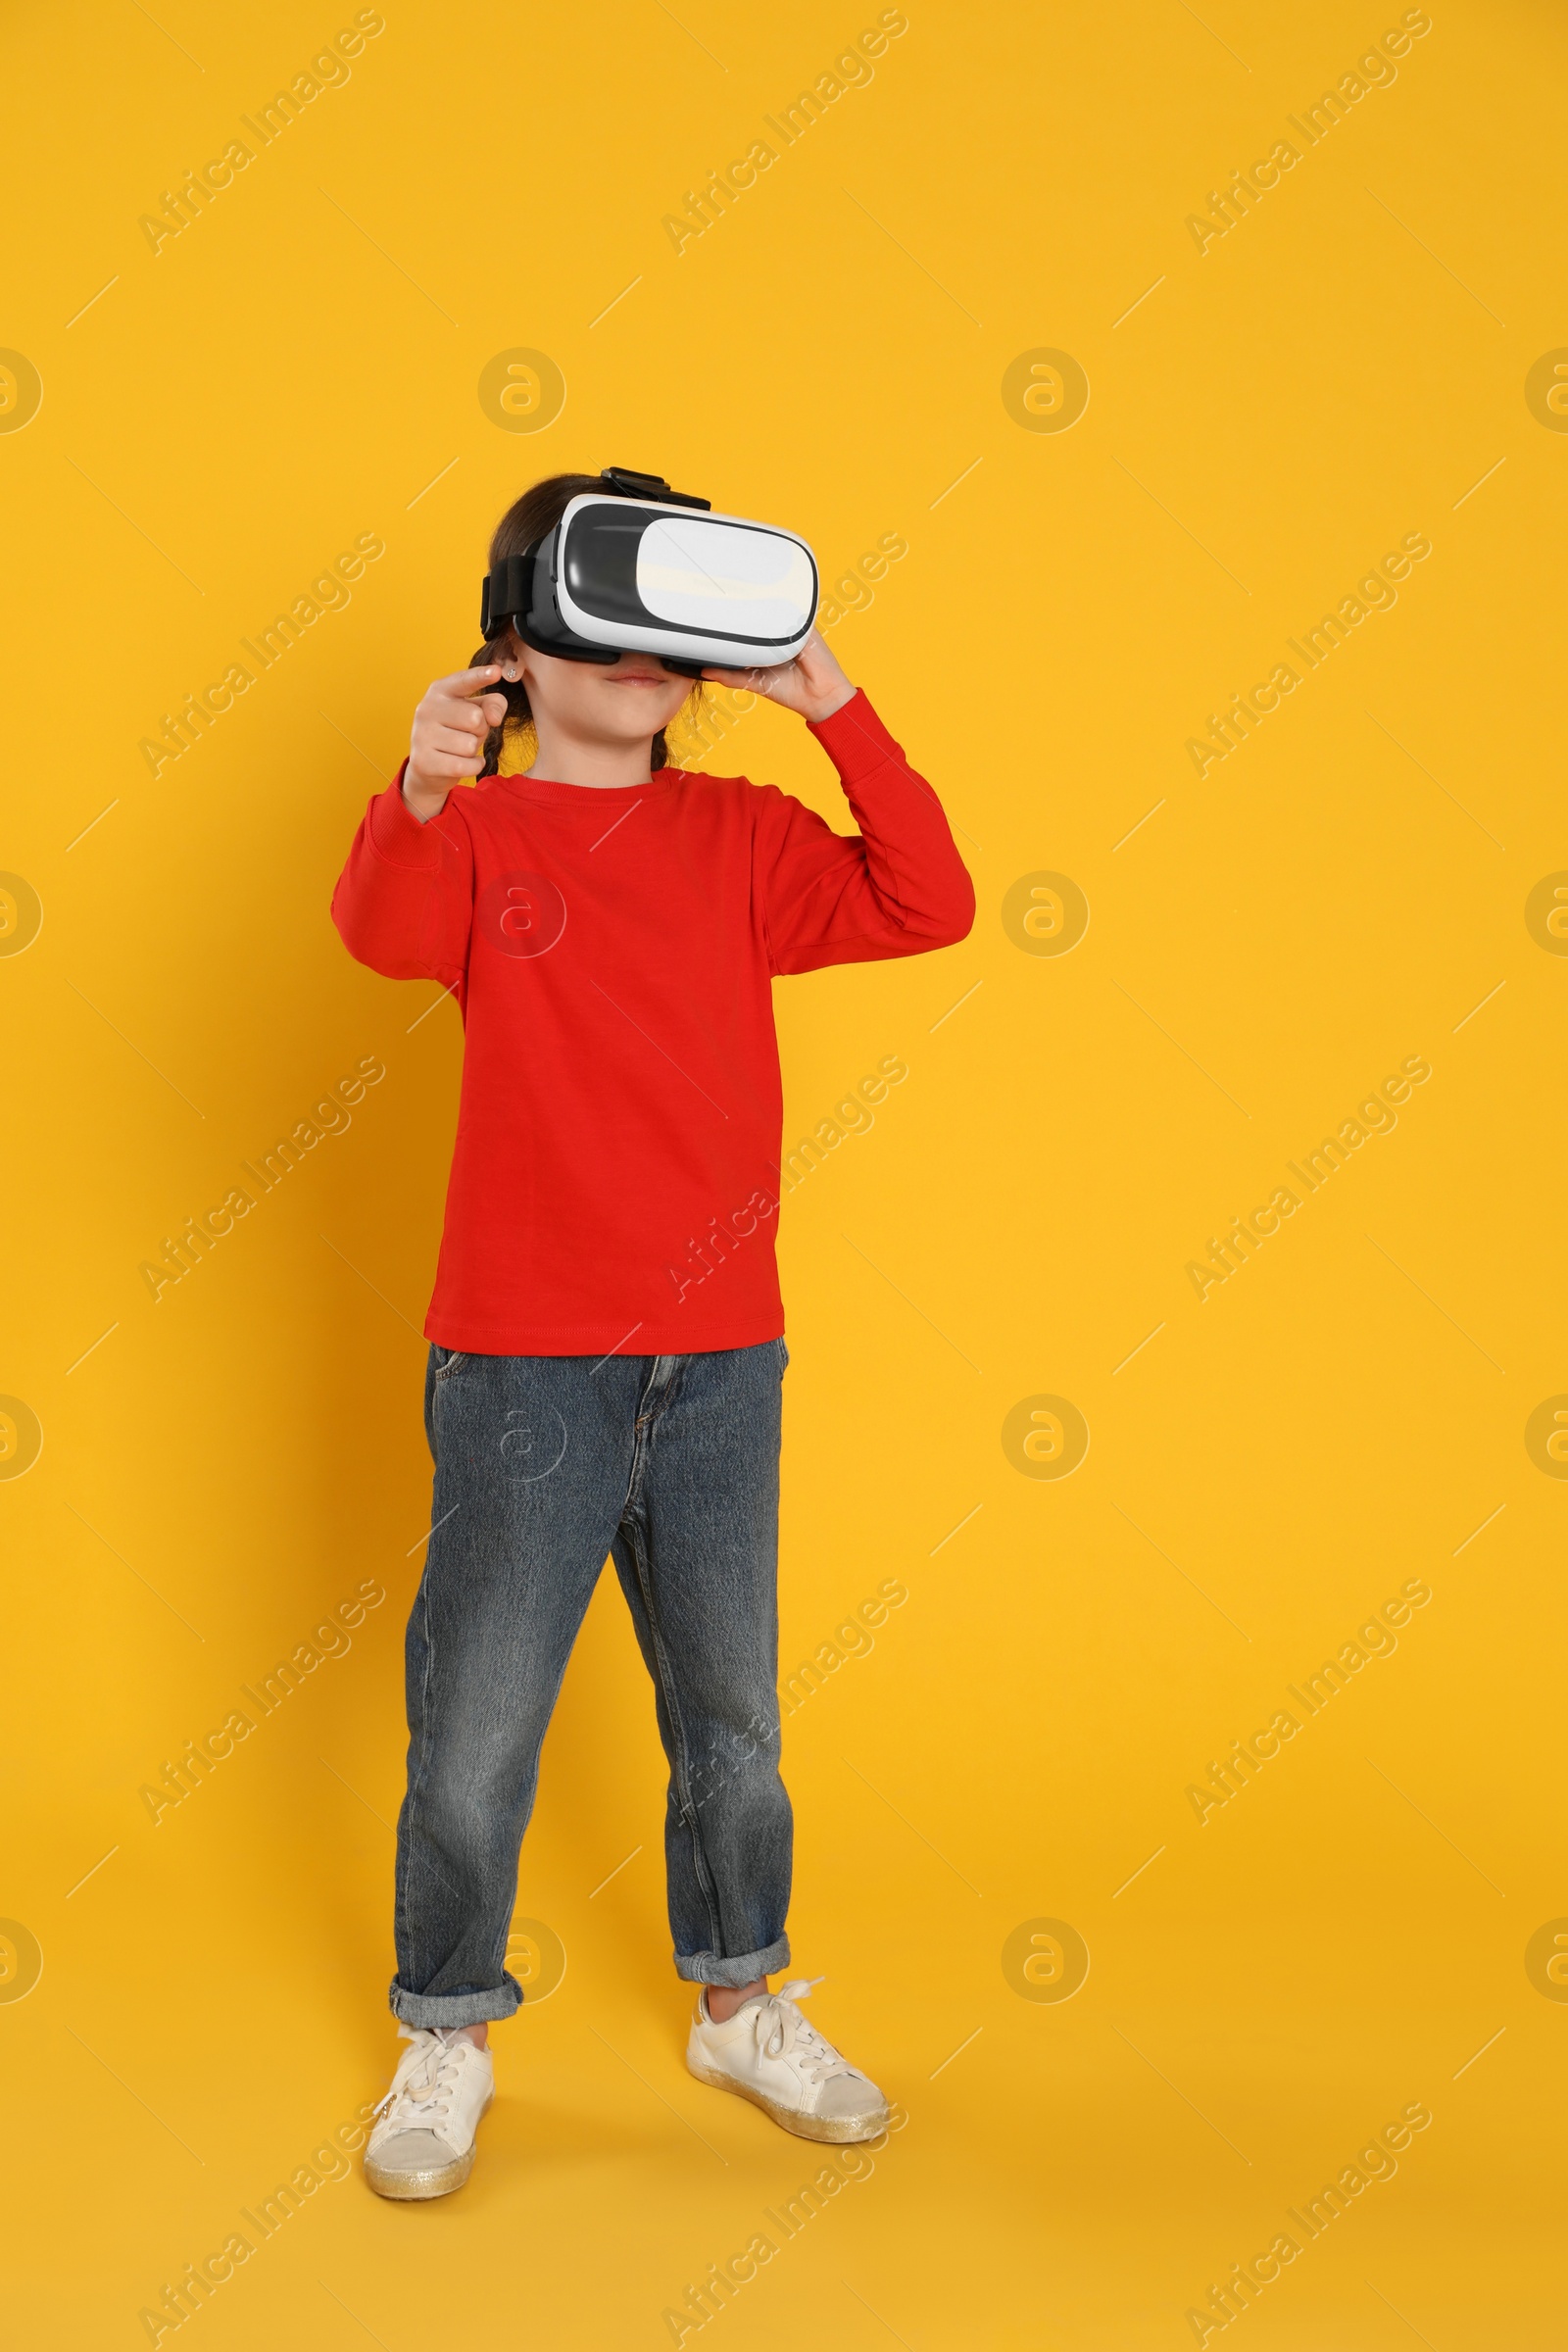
point(423, 2146)
point(769, 2054)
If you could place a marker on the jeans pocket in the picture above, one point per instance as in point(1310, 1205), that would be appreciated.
point(783, 1355)
point(451, 1363)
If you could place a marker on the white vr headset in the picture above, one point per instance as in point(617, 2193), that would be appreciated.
point(639, 567)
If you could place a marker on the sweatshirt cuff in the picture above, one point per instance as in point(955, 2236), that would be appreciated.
point(856, 740)
point(397, 834)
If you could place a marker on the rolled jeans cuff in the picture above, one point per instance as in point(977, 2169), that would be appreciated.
point(457, 2008)
point(706, 1968)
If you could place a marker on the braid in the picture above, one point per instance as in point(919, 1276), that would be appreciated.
point(517, 712)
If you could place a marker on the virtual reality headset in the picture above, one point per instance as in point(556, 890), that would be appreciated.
point(635, 566)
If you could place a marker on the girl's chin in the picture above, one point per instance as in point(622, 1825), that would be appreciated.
point(636, 725)
point(640, 710)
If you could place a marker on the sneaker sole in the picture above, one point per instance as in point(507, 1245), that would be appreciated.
point(414, 2188)
point(838, 2128)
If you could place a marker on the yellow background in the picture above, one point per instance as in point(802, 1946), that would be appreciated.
point(294, 369)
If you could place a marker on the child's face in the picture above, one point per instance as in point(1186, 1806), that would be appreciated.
point(626, 701)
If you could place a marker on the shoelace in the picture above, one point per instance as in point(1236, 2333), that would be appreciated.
point(783, 2033)
point(425, 2098)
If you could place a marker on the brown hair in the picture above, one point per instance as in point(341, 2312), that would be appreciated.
point(527, 520)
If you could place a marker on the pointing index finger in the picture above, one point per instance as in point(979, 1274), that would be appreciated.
point(464, 683)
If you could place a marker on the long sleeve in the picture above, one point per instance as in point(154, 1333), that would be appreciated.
point(404, 902)
point(897, 889)
point(614, 948)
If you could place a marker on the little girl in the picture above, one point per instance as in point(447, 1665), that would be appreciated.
point(606, 1329)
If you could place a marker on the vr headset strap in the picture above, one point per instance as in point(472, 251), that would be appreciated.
point(521, 588)
point(621, 482)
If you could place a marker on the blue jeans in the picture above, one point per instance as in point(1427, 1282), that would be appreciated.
point(543, 1465)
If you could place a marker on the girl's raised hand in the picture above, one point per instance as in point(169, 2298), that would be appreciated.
point(811, 684)
point(446, 742)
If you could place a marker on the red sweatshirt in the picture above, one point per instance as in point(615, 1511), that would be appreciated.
point(616, 1177)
